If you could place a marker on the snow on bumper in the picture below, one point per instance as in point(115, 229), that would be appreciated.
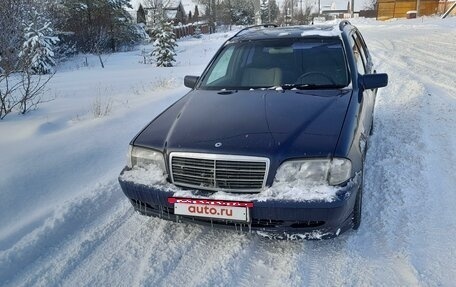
point(275, 217)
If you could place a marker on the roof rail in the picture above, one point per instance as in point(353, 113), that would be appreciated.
point(343, 23)
point(256, 26)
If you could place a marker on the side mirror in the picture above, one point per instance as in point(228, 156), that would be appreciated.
point(190, 81)
point(374, 81)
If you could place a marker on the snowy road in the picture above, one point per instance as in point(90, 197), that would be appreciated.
point(58, 228)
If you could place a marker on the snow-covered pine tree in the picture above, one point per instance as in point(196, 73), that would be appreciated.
point(164, 45)
point(264, 11)
point(26, 45)
point(242, 12)
point(37, 51)
point(268, 11)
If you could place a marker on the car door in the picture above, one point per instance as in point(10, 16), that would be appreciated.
point(367, 59)
point(364, 66)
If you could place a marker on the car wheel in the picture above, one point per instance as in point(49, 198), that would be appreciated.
point(357, 209)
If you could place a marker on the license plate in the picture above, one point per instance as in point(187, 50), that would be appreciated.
point(217, 209)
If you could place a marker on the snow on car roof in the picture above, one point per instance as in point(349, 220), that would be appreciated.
point(289, 32)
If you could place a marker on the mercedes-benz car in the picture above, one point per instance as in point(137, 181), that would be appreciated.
point(271, 138)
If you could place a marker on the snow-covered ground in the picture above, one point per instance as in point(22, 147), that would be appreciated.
point(64, 219)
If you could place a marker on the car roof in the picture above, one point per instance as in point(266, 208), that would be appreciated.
point(269, 31)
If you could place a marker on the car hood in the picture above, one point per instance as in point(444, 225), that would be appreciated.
point(285, 124)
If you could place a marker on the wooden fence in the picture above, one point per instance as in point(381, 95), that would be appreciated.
point(388, 9)
point(444, 6)
point(188, 30)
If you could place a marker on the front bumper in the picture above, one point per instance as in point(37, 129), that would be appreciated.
point(275, 218)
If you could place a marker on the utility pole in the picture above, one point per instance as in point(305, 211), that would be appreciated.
point(292, 10)
point(257, 11)
point(352, 8)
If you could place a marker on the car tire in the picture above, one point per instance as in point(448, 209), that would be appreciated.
point(371, 131)
point(358, 208)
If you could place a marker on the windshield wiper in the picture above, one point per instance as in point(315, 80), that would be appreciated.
point(226, 92)
point(310, 86)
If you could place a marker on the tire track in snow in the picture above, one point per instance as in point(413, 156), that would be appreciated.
point(151, 251)
point(392, 150)
point(142, 267)
point(392, 159)
point(118, 259)
point(309, 265)
point(141, 251)
point(398, 141)
point(209, 261)
point(429, 74)
point(163, 258)
point(433, 48)
point(439, 141)
point(432, 68)
point(272, 264)
point(321, 263)
point(57, 234)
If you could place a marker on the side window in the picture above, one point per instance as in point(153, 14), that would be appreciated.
point(362, 44)
point(364, 52)
point(221, 67)
point(360, 56)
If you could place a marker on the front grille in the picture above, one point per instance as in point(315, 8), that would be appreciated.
point(219, 172)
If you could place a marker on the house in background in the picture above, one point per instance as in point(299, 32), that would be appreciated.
point(334, 13)
point(184, 24)
point(141, 15)
point(176, 11)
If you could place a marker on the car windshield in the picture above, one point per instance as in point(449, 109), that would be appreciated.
point(287, 63)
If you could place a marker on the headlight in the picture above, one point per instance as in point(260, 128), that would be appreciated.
point(314, 171)
point(339, 171)
point(143, 157)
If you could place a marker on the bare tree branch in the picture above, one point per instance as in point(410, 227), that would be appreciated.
point(32, 90)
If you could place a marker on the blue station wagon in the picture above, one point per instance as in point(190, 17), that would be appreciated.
point(270, 139)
